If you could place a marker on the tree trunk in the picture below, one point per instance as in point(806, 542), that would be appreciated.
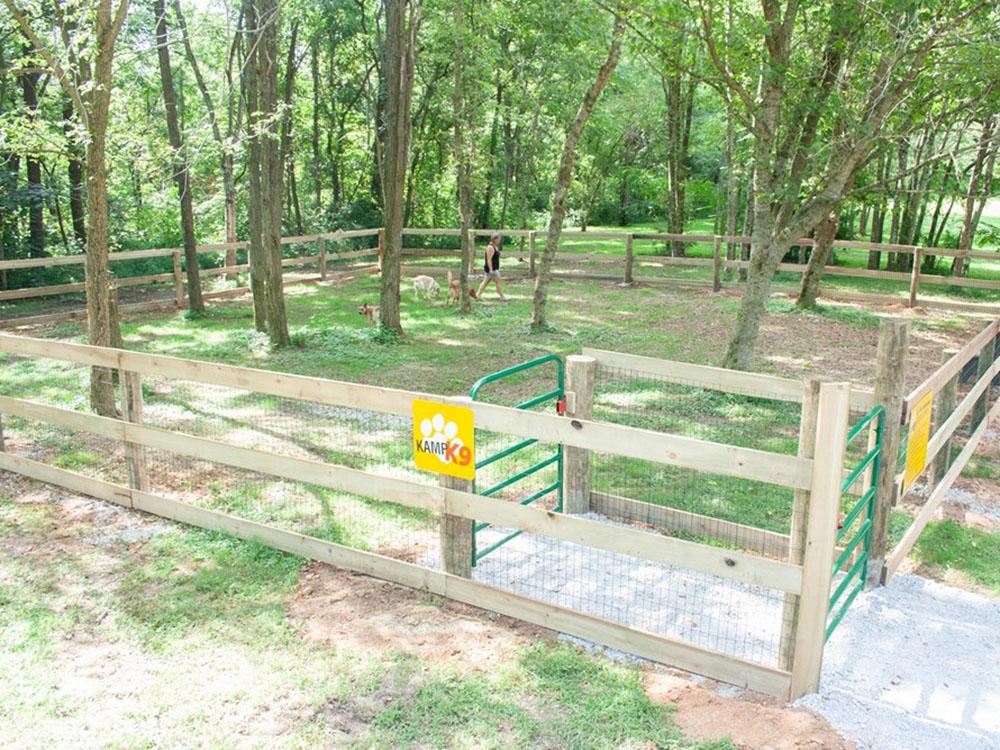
point(679, 103)
point(77, 193)
point(960, 265)
point(256, 253)
point(271, 171)
point(764, 260)
point(228, 179)
point(565, 176)
point(317, 165)
point(182, 175)
point(398, 63)
point(36, 193)
point(102, 320)
point(462, 164)
point(826, 233)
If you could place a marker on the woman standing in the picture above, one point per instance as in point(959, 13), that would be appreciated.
point(491, 266)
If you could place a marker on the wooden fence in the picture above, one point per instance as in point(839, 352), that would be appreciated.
point(816, 478)
point(528, 253)
point(322, 259)
point(961, 411)
point(721, 264)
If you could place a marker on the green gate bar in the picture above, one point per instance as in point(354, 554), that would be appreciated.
point(866, 505)
point(555, 394)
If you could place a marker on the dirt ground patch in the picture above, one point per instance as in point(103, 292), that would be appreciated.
point(356, 612)
point(753, 722)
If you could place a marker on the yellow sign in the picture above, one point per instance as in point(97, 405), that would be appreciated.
point(444, 439)
point(916, 443)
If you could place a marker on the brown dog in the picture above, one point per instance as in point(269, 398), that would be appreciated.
point(372, 312)
point(455, 290)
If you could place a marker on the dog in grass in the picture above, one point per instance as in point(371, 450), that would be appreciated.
point(372, 312)
point(426, 286)
point(455, 290)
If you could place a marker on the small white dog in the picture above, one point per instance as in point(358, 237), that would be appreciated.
point(427, 286)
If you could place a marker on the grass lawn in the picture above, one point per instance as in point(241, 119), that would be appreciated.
point(187, 640)
point(186, 602)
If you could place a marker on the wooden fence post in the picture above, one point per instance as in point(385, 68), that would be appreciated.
point(800, 514)
point(629, 257)
point(945, 405)
point(821, 535)
point(915, 276)
point(135, 455)
point(531, 254)
point(717, 265)
point(986, 358)
point(456, 534)
point(890, 393)
point(322, 258)
point(580, 376)
point(178, 280)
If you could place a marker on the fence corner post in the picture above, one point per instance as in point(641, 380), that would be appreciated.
point(178, 280)
point(800, 515)
point(531, 254)
point(717, 264)
point(322, 258)
point(890, 393)
point(580, 376)
point(820, 537)
point(915, 276)
point(629, 257)
point(456, 534)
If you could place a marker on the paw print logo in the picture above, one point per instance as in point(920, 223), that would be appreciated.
point(440, 437)
point(444, 439)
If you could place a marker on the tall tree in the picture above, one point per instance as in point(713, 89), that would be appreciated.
point(179, 159)
point(463, 162)
point(814, 111)
point(402, 21)
point(90, 49)
point(970, 218)
point(565, 174)
point(264, 110)
point(224, 141)
point(30, 76)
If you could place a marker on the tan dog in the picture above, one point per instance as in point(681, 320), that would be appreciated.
point(455, 290)
point(427, 286)
point(372, 312)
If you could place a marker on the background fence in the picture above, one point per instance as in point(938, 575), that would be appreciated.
point(324, 469)
point(321, 257)
point(713, 261)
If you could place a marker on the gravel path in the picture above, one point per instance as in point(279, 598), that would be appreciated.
point(913, 666)
point(725, 615)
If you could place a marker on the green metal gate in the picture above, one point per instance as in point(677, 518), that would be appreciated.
point(556, 395)
point(862, 510)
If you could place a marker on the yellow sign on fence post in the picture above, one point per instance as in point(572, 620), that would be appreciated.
point(916, 442)
point(444, 439)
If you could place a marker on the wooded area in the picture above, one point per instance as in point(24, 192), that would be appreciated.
point(188, 122)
